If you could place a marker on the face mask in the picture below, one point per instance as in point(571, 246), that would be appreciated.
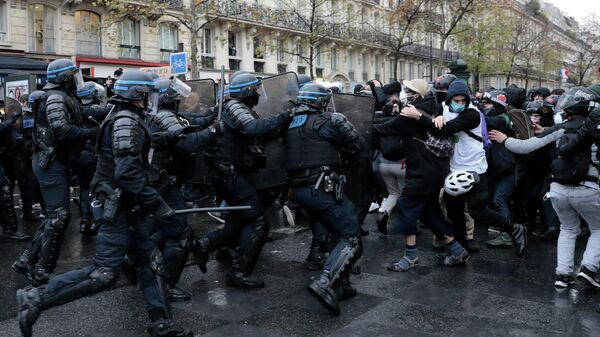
point(457, 107)
point(558, 118)
point(402, 97)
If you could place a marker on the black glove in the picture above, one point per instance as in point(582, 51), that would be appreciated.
point(93, 132)
point(286, 117)
point(216, 129)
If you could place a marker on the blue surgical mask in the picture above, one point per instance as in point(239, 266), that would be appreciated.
point(457, 107)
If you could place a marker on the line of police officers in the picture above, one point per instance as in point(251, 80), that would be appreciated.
point(140, 151)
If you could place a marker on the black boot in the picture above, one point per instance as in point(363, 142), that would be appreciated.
point(84, 227)
point(201, 251)
point(23, 267)
point(240, 277)
point(382, 220)
point(129, 270)
point(345, 290)
point(93, 230)
point(28, 302)
point(11, 227)
point(166, 328)
point(316, 257)
point(176, 294)
point(519, 238)
point(322, 290)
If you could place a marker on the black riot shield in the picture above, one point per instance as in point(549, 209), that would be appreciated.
point(279, 90)
point(360, 111)
point(202, 98)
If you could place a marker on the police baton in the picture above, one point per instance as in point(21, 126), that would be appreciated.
point(212, 209)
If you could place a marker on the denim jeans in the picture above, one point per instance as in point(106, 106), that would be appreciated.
point(505, 186)
point(571, 202)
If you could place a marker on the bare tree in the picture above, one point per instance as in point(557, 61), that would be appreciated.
point(446, 16)
point(318, 21)
point(587, 51)
point(193, 18)
point(394, 30)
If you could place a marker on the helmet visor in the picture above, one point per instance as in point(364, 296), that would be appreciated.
point(180, 88)
point(153, 101)
point(78, 79)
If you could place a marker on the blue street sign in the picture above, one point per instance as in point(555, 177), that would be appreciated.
point(178, 63)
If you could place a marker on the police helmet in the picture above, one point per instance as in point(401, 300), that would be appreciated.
point(534, 107)
point(496, 97)
point(137, 85)
point(91, 92)
point(443, 82)
point(577, 100)
point(63, 72)
point(303, 80)
point(243, 85)
point(171, 91)
point(314, 95)
point(34, 96)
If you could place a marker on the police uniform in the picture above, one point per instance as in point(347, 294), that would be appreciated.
point(313, 143)
point(236, 153)
point(122, 183)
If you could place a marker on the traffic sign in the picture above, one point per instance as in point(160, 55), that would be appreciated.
point(179, 64)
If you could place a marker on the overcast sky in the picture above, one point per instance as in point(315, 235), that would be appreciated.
point(579, 9)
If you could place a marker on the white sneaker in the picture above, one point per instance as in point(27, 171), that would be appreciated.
point(290, 215)
point(374, 206)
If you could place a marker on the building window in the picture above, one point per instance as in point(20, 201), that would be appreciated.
point(350, 62)
point(207, 42)
point(208, 62)
point(281, 68)
point(319, 73)
point(334, 59)
point(392, 74)
point(259, 67)
point(365, 67)
point(301, 70)
point(3, 21)
point(401, 71)
point(234, 64)
point(41, 32)
point(318, 55)
point(87, 33)
point(168, 40)
point(377, 68)
point(258, 48)
point(280, 51)
point(232, 43)
point(301, 54)
point(130, 39)
point(410, 71)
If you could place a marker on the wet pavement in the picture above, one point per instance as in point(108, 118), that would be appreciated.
point(495, 294)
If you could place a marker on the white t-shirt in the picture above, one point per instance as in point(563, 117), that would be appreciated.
point(469, 154)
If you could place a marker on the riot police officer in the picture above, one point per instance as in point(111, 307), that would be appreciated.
point(58, 138)
point(93, 112)
point(236, 153)
point(7, 207)
point(122, 182)
point(174, 141)
point(313, 144)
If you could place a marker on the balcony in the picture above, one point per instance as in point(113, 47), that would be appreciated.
point(173, 4)
point(287, 20)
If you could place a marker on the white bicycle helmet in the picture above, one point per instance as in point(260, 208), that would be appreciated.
point(460, 182)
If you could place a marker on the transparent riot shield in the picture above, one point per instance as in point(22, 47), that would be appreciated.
point(277, 92)
point(360, 111)
point(202, 98)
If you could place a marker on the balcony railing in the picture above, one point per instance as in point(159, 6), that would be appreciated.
point(288, 20)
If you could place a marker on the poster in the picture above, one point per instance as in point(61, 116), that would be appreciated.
point(15, 89)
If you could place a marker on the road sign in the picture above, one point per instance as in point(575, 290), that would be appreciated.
point(179, 64)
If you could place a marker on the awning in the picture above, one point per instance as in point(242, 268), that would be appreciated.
point(20, 63)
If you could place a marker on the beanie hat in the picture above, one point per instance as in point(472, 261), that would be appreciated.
point(456, 88)
point(417, 85)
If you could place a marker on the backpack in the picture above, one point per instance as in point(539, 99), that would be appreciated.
point(484, 138)
point(521, 124)
point(392, 147)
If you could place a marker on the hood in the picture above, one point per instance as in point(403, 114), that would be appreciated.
point(428, 105)
point(515, 96)
point(458, 88)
